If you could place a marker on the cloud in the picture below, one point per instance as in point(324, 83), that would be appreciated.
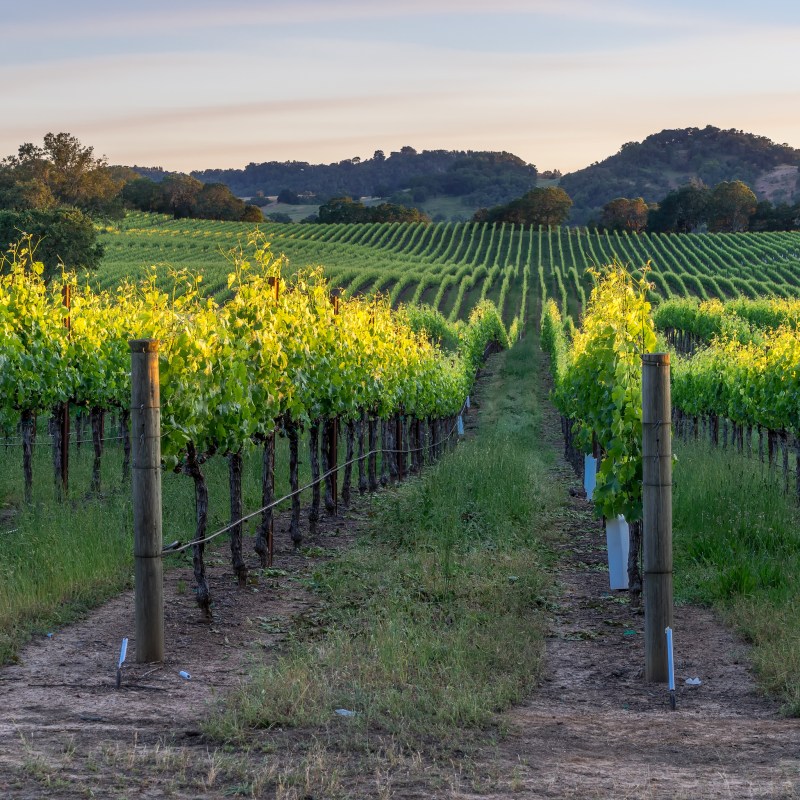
point(93, 19)
point(315, 98)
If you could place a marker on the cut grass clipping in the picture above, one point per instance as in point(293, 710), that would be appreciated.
point(737, 547)
point(433, 618)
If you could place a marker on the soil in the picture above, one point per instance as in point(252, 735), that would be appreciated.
point(60, 706)
point(596, 729)
point(779, 184)
point(593, 729)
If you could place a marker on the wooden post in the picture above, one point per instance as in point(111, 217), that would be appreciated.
point(657, 512)
point(146, 450)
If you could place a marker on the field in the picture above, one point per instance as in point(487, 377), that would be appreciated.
point(451, 634)
point(454, 265)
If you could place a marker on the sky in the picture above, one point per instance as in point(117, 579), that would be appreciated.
point(195, 84)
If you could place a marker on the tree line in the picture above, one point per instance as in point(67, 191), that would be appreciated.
point(654, 167)
point(404, 176)
point(346, 209)
point(730, 206)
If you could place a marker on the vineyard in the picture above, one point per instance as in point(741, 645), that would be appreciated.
point(735, 376)
point(453, 266)
point(277, 358)
point(287, 390)
point(735, 383)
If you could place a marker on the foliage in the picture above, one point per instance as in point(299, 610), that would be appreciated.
point(183, 196)
point(682, 210)
point(599, 389)
point(555, 341)
point(427, 319)
point(62, 237)
point(346, 210)
point(544, 207)
point(624, 214)
point(453, 265)
point(61, 172)
point(752, 383)
point(731, 205)
point(652, 168)
point(229, 372)
point(478, 177)
point(252, 213)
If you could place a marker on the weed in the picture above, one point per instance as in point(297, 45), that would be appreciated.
point(737, 547)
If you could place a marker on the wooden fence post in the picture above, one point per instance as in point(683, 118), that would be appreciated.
point(146, 451)
point(657, 512)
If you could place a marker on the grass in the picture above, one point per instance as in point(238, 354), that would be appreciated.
point(434, 617)
point(737, 546)
point(57, 560)
point(296, 212)
point(451, 209)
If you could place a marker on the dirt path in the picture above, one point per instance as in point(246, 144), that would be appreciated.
point(67, 731)
point(595, 729)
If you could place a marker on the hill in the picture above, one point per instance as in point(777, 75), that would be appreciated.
point(672, 158)
point(477, 178)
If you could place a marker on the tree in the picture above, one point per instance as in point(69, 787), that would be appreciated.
point(63, 172)
point(143, 194)
point(253, 214)
point(215, 201)
point(548, 206)
point(343, 209)
point(624, 214)
point(731, 205)
point(180, 195)
point(64, 235)
point(682, 210)
point(780, 217)
point(391, 212)
point(289, 197)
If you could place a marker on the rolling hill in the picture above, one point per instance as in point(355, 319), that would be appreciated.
point(672, 158)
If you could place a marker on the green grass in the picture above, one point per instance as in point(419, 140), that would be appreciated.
point(434, 617)
point(57, 560)
point(448, 208)
point(296, 212)
point(737, 546)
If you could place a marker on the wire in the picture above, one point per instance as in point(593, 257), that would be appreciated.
point(321, 478)
point(47, 438)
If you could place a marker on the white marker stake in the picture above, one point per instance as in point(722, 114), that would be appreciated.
point(671, 666)
point(460, 425)
point(123, 651)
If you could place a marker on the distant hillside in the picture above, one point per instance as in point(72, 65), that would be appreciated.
point(666, 160)
point(478, 178)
